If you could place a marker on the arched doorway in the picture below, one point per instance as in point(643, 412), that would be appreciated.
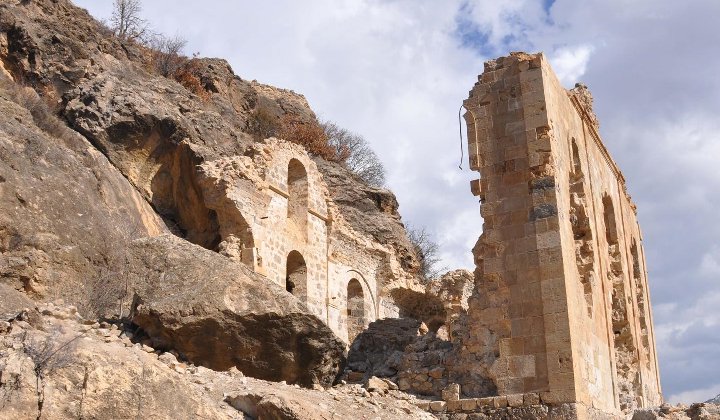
point(297, 209)
point(355, 309)
point(296, 276)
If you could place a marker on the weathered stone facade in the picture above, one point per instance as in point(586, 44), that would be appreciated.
point(275, 214)
point(561, 306)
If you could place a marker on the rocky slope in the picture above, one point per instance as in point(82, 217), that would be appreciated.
point(152, 129)
point(102, 207)
point(57, 365)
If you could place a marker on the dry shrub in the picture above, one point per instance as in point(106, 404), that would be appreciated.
point(263, 123)
point(165, 59)
point(50, 352)
point(427, 251)
point(310, 135)
point(356, 154)
point(41, 113)
point(188, 75)
point(166, 54)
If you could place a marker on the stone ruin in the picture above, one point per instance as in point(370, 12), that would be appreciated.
point(554, 323)
point(275, 214)
point(559, 316)
point(562, 307)
point(558, 311)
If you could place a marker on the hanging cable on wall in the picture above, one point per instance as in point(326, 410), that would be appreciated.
point(462, 152)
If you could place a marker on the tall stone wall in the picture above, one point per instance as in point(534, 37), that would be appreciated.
point(561, 305)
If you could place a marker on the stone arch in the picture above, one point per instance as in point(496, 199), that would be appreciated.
point(297, 185)
point(296, 275)
point(356, 318)
point(372, 309)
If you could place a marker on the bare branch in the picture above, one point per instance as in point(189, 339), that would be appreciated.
point(427, 250)
point(356, 153)
point(126, 21)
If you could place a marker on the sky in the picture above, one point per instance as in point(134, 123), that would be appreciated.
point(396, 72)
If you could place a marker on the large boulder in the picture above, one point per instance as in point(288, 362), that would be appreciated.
point(219, 314)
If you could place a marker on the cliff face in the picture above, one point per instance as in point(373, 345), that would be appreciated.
point(153, 131)
point(115, 197)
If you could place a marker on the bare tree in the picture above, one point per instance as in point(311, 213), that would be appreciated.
point(49, 354)
point(126, 21)
point(356, 153)
point(427, 250)
point(167, 58)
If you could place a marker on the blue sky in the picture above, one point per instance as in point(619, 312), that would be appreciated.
point(396, 71)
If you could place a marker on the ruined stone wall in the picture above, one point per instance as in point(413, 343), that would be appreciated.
point(561, 305)
point(347, 263)
point(273, 210)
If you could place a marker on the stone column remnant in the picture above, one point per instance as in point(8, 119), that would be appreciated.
point(560, 305)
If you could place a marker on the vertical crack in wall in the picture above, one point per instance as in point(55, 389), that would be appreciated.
point(640, 296)
point(582, 232)
point(626, 363)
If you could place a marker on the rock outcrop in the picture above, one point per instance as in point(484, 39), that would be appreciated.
point(109, 156)
point(371, 210)
point(219, 314)
point(65, 212)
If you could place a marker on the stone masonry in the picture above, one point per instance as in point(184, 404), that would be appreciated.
point(275, 214)
point(562, 308)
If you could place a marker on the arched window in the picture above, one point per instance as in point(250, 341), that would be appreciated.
point(611, 233)
point(577, 166)
point(296, 276)
point(297, 196)
point(355, 309)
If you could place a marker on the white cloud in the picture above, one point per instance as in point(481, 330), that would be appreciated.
point(570, 63)
point(710, 265)
point(695, 395)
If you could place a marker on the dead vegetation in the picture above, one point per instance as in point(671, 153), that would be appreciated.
point(48, 354)
point(39, 108)
point(321, 138)
point(427, 250)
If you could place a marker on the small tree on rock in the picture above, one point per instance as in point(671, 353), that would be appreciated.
point(427, 250)
point(126, 21)
point(356, 153)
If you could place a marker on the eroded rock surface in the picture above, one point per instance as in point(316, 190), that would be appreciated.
point(219, 314)
point(66, 213)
